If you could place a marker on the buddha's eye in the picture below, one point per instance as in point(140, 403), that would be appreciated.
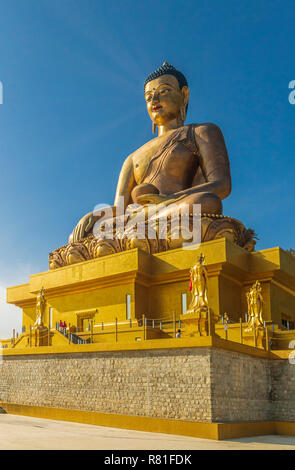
point(148, 98)
point(164, 91)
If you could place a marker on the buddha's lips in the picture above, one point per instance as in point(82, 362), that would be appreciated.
point(156, 108)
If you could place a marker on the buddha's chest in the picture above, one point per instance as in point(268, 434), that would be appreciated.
point(175, 161)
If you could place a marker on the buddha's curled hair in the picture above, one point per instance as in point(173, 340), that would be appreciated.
point(170, 70)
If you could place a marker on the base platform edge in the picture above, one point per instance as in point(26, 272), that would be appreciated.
point(204, 430)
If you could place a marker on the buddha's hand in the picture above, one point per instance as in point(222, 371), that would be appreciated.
point(154, 199)
point(82, 228)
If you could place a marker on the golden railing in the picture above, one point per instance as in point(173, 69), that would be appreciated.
point(143, 328)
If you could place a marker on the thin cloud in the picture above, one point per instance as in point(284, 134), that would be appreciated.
point(10, 315)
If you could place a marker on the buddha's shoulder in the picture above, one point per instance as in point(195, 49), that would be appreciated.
point(149, 147)
point(207, 130)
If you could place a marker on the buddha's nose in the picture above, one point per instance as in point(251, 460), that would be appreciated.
point(155, 98)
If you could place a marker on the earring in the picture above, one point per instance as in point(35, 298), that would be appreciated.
point(154, 127)
point(183, 113)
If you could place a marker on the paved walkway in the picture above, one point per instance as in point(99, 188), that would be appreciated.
point(22, 432)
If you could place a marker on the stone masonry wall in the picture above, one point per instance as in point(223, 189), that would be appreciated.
point(196, 384)
point(283, 390)
point(240, 387)
point(166, 383)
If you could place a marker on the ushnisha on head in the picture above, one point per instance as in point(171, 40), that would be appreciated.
point(166, 93)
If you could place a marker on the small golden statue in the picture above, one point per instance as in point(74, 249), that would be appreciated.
point(199, 286)
point(255, 307)
point(199, 318)
point(40, 307)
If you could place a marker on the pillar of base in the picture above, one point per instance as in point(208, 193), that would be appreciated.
point(41, 336)
point(256, 339)
point(198, 323)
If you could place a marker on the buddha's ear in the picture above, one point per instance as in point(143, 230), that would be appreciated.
point(185, 94)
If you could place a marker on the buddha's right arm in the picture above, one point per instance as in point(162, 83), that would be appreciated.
point(126, 183)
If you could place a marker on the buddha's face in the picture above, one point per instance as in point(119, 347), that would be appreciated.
point(164, 99)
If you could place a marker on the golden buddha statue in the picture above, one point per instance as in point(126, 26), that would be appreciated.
point(183, 166)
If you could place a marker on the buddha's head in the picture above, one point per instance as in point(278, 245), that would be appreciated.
point(166, 93)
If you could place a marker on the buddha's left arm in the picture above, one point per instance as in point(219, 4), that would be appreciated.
point(213, 161)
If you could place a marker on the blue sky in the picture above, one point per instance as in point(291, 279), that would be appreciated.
point(73, 73)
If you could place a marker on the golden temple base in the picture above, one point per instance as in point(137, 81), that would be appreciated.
point(127, 308)
point(116, 294)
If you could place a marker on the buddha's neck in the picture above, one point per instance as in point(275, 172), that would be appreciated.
point(169, 126)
